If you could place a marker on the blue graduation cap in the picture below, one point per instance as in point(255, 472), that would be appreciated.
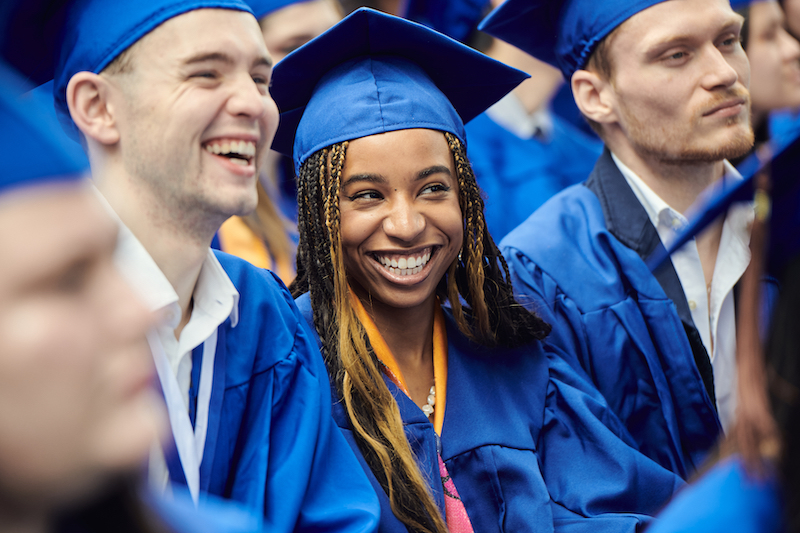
point(373, 73)
point(454, 18)
point(563, 33)
point(95, 32)
point(784, 240)
point(34, 153)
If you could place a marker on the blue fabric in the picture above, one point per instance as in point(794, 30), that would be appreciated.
point(531, 446)
point(372, 73)
point(34, 152)
point(563, 33)
point(518, 175)
point(725, 499)
point(95, 32)
point(272, 444)
point(613, 317)
point(262, 8)
point(455, 18)
point(180, 514)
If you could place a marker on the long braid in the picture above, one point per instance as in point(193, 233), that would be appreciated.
point(371, 408)
point(483, 280)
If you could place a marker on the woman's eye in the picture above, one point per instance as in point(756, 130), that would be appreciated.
point(365, 195)
point(436, 187)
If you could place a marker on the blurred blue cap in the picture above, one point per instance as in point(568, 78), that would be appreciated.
point(95, 32)
point(740, 4)
point(262, 8)
point(784, 239)
point(563, 33)
point(373, 73)
point(454, 18)
point(34, 152)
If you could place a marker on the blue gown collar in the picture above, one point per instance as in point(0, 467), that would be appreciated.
point(627, 220)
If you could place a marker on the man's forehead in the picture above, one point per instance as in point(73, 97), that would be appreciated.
point(204, 31)
point(676, 20)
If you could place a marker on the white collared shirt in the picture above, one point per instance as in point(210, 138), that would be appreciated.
point(509, 113)
point(214, 299)
point(713, 313)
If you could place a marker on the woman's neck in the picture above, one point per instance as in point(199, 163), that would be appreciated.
point(408, 333)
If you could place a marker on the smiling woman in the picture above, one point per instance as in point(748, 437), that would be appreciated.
point(463, 417)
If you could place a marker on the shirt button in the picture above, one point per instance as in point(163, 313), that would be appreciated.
point(692, 305)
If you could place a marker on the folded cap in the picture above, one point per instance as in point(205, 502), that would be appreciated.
point(34, 152)
point(563, 33)
point(784, 224)
point(454, 18)
point(373, 73)
point(95, 32)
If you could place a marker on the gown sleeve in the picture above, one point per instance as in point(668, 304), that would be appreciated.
point(314, 476)
point(598, 481)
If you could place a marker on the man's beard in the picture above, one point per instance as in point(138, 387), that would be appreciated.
point(673, 146)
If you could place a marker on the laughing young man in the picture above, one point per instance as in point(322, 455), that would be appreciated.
point(664, 83)
point(170, 99)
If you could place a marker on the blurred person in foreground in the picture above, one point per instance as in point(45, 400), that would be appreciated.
point(754, 484)
point(170, 99)
point(78, 411)
point(267, 237)
point(664, 83)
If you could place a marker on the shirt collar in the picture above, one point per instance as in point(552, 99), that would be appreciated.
point(509, 113)
point(214, 293)
point(661, 215)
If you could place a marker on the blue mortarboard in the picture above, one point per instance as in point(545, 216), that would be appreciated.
point(372, 73)
point(95, 32)
point(454, 18)
point(784, 240)
point(262, 8)
point(563, 33)
point(34, 152)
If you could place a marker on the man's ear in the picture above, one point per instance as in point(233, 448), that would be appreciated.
point(594, 96)
point(88, 100)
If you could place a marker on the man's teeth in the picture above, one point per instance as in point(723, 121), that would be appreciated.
point(246, 149)
point(405, 265)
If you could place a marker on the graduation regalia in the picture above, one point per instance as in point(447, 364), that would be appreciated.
point(528, 444)
point(271, 443)
point(579, 263)
point(518, 175)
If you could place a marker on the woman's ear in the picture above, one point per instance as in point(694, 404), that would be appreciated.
point(594, 96)
point(88, 100)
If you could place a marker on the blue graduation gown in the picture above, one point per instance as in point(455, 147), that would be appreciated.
point(518, 175)
point(725, 499)
point(272, 444)
point(578, 262)
point(528, 444)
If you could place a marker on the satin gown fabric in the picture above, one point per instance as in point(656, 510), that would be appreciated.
point(528, 444)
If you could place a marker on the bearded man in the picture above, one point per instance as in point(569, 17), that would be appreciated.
point(665, 85)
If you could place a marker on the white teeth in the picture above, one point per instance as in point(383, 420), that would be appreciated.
point(405, 266)
point(245, 148)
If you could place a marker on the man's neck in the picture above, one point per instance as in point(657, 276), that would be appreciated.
point(678, 184)
point(178, 247)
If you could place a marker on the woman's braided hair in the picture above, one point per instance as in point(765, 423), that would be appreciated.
point(479, 278)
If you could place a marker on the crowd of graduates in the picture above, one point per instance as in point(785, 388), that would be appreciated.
point(414, 266)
